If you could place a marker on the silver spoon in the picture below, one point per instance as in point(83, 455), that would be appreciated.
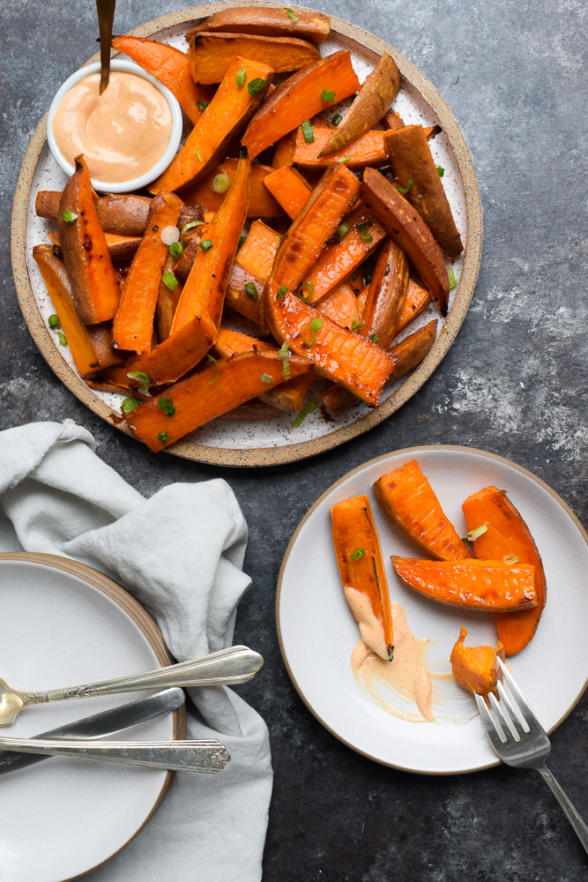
point(237, 664)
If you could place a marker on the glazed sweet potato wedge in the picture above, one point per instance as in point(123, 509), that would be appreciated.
point(289, 189)
point(340, 305)
point(94, 285)
point(507, 536)
point(359, 559)
point(132, 328)
point(123, 214)
point(211, 52)
point(261, 202)
point(386, 295)
point(474, 667)
point(416, 301)
point(170, 67)
point(409, 502)
point(284, 152)
point(412, 161)
point(300, 98)
point(489, 585)
point(409, 353)
point(359, 235)
point(368, 149)
point(122, 249)
point(58, 287)
point(404, 224)
point(269, 22)
point(205, 287)
point(251, 270)
point(234, 101)
point(206, 394)
point(375, 96)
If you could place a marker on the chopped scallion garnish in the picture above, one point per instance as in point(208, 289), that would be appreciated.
point(475, 534)
point(265, 378)
point(309, 288)
point(130, 404)
point(343, 229)
point(336, 119)
point(242, 238)
point(309, 407)
point(69, 216)
point(202, 105)
point(189, 226)
point(176, 249)
point(440, 171)
point(53, 322)
point(328, 96)
point(510, 559)
point(62, 338)
point(198, 155)
point(314, 326)
point(212, 359)
point(169, 280)
point(166, 405)
point(363, 230)
point(251, 290)
point(163, 437)
point(374, 338)
point(452, 279)
point(404, 190)
point(284, 356)
point(357, 326)
point(241, 77)
point(357, 553)
point(282, 291)
point(142, 380)
point(206, 244)
point(221, 182)
point(291, 15)
point(256, 86)
point(307, 131)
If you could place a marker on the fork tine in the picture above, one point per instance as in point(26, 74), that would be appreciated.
point(507, 701)
point(517, 696)
point(493, 727)
point(504, 715)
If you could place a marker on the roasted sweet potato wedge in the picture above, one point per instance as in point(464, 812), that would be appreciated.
point(300, 98)
point(206, 394)
point(507, 537)
point(122, 249)
point(211, 52)
point(340, 306)
point(289, 188)
point(269, 22)
point(416, 171)
point(170, 67)
point(408, 501)
point(94, 285)
point(416, 301)
point(368, 149)
point(209, 194)
point(375, 96)
point(234, 101)
point(359, 558)
point(284, 152)
point(386, 295)
point(474, 667)
point(404, 224)
point(489, 585)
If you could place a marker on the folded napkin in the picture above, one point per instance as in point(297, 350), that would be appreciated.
point(60, 498)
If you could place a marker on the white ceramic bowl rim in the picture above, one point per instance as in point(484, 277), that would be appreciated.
point(159, 167)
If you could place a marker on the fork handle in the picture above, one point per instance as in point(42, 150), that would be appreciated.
point(570, 810)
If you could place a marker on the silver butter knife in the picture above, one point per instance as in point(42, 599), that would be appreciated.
point(98, 725)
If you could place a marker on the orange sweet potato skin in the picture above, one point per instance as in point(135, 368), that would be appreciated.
point(386, 294)
point(89, 267)
point(210, 53)
point(368, 149)
point(354, 529)
point(269, 22)
point(507, 533)
point(408, 501)
point(405, 225)
point(471, 584)
point(474, 667)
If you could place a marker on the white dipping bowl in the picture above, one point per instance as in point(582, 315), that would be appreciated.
point(159, 167)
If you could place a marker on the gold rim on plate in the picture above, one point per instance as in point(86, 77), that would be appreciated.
point(301, 450)
point(411, 452)
point(133, 609)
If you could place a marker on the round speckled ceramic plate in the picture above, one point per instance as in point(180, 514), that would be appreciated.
point(268, 441)
point(317, 632)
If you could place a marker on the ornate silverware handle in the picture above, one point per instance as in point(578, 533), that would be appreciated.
point(237, 664)
point(208, 756)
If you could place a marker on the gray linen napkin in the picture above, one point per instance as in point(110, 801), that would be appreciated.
point(180, 554)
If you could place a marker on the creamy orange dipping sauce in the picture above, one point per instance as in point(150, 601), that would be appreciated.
point(122, 133)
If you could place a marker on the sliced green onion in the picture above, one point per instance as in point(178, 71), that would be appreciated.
point(212, 359)
point(357, 326)
point(374, 338)
point(189, 226)
point(343, 229)
point(62, 338)
point(163, 437)
point(221, 182)
point(363, 230)
point(206, 244)
point(142, 380)
point(265, 378)
point(344, 159)
point(404, 190)
point(328, 96)
point(510, 559)
point(440, 171)
point(282, 291)
point(198, 155)
point(309, 288)
point(202, 105)
point(256, 86)
point(452, 279)
point(314, 326)
point(475, 534)
point(242, 238)
point(357, 553)
point(251, 290)
point(130, 404)
point(169, 280)
point(166, 405)
point(53, 322)
point(336, 119)
point(291, 15)
point(176, 249)
point(307, 131)
point(169, 234)
point(309, 407)
point(241, 77)
point(284, 356)
point(69, 216)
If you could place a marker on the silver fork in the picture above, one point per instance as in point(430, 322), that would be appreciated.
point(519, 739)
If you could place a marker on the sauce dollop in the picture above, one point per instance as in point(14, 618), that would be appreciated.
point(122, 133)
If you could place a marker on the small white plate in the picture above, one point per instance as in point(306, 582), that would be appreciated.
point(317, 632)
point(63, 817)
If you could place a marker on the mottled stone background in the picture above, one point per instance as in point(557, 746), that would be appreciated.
point(514, 383)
